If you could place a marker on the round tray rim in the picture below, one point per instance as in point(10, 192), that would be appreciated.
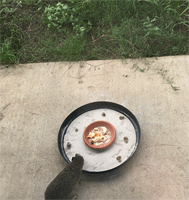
point(92, 106)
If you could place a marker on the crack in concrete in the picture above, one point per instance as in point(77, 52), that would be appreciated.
point(6, 106)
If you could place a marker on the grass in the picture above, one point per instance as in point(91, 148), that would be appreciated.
point(73, 30)
point(168, 80)
point(160, 71)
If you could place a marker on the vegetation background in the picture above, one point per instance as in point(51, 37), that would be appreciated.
point(73, 30)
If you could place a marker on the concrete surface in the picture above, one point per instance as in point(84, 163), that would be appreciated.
point(36, 98)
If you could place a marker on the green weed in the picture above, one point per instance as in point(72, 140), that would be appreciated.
point(168, 80)
point(7, 54)
point(136, 67)
point(11, 36)
point(62, 15)
point(161, 71)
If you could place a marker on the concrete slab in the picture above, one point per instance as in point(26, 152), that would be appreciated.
point(36, 98)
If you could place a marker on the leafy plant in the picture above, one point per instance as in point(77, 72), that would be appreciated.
point(62, 15)
point(150, 28)
point(7, 54)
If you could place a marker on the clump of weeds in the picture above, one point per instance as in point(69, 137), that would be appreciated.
point(168, 80)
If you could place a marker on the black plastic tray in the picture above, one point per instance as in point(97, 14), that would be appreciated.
point(93, 106)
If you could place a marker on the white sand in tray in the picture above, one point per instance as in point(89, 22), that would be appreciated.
point(101, 160)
